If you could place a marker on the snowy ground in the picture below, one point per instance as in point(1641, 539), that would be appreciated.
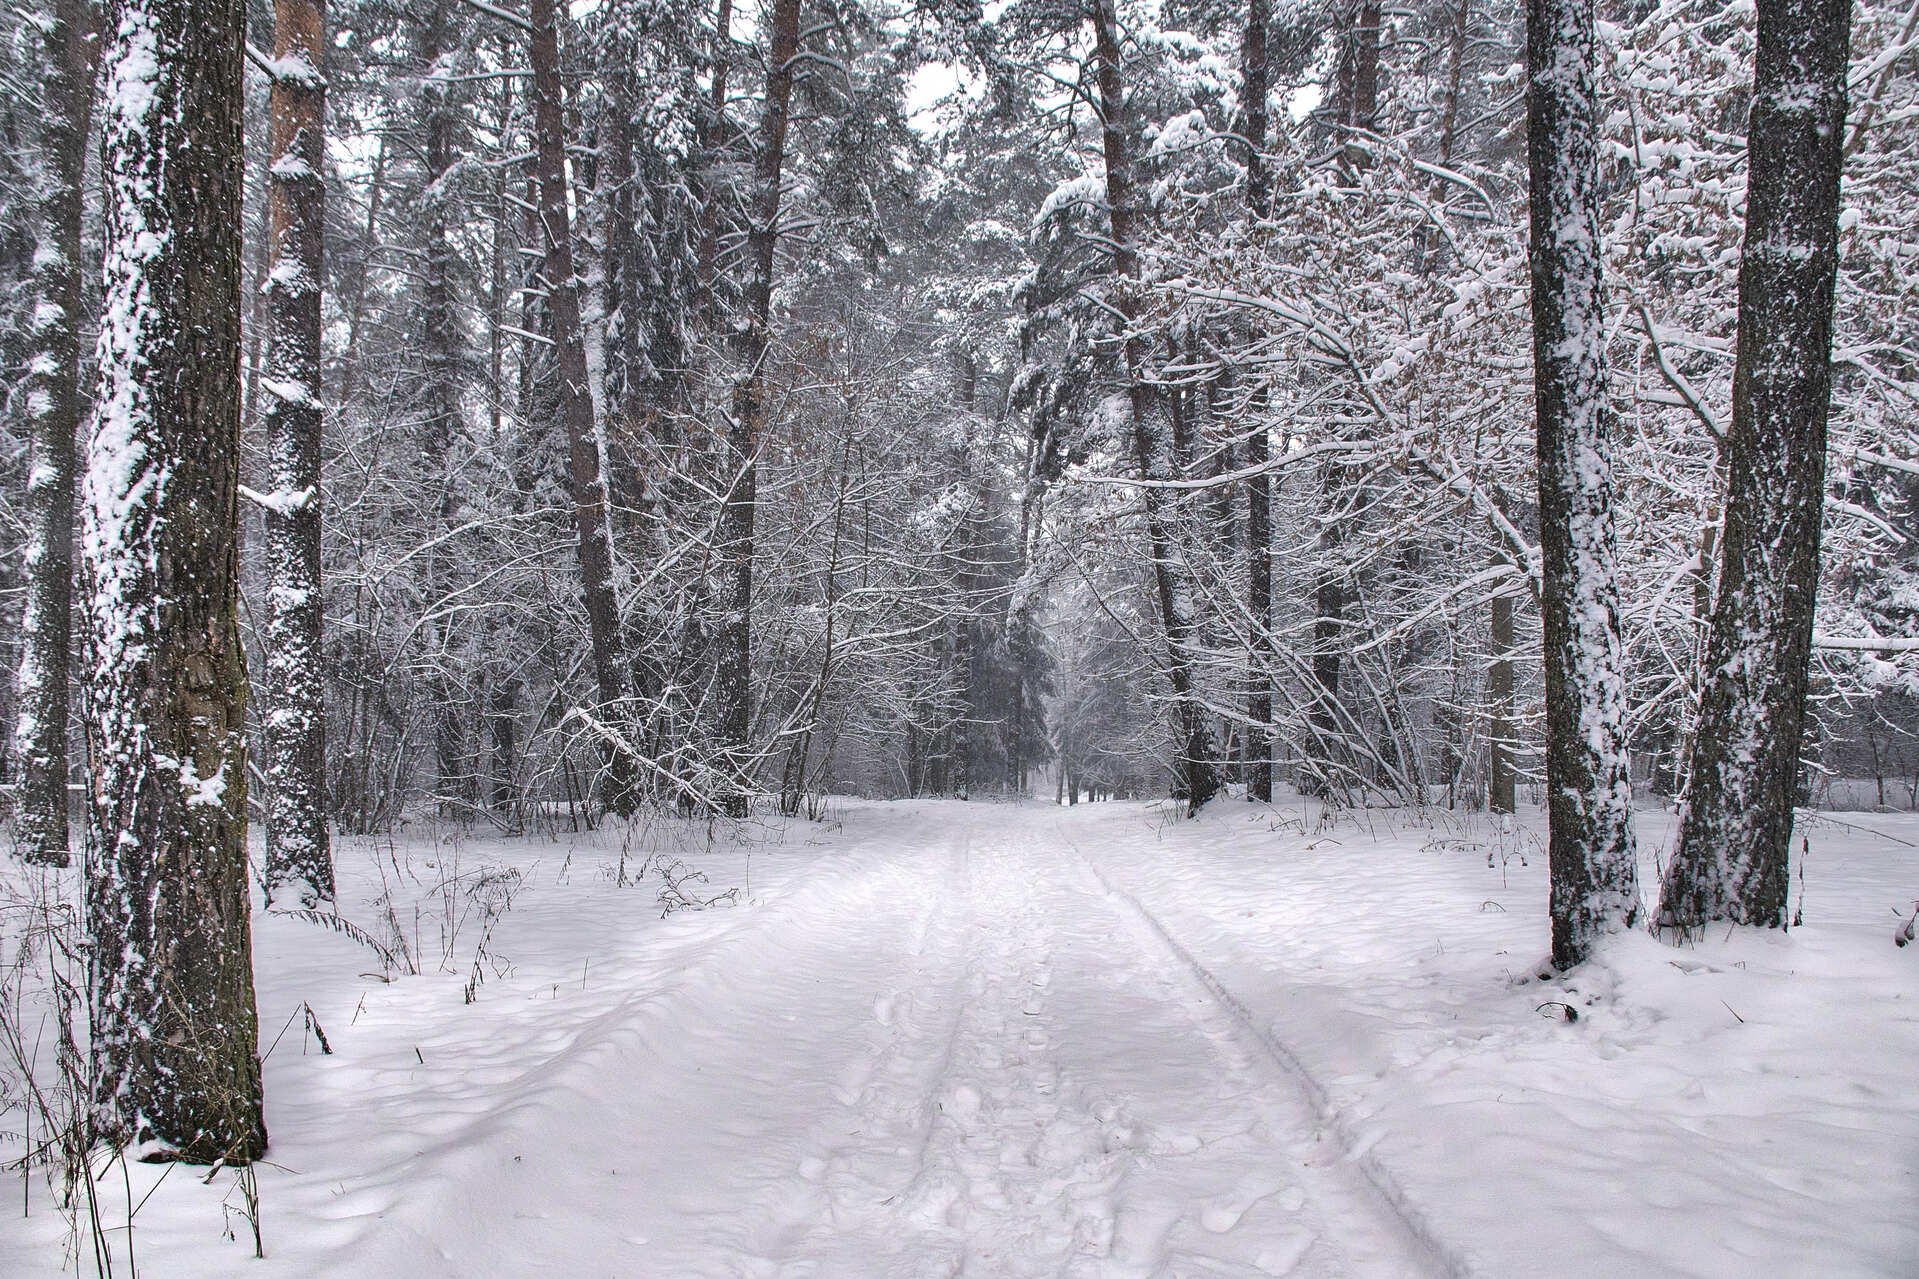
point(1017, 1040)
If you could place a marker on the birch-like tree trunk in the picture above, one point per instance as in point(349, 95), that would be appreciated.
point(1732, 859)
point(174, 1032)
point(1594, 880)
point(576, 397)
point(298, 857)
point(53, 414)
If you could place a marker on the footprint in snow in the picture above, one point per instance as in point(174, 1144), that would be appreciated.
point(1224, 1214)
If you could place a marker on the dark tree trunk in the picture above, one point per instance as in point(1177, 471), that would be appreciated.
point(1197, 778)
point(53, 413)
point(1256, 87)
point(754, 340)
point(1329, 632)
point(298, 857)
point(712, 142)
point(625, 361)
point(1731, 861)
point(1259, 489)
point(1356, 87)
point(576, 400)
point(1594, 878)
point(442, 412)
point(174, 1031)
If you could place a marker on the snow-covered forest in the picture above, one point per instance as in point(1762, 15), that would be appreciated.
point(501, 492)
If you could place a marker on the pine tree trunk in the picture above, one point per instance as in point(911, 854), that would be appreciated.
point(753, 340)
point(174, 1032)
point(1197, 777)
point(442, 412)
point(712, 142)
point(298, 857)
point(576, 397)
point(1732, 858)
point(1259, 489)
point(53, 413)
point(1589, 791)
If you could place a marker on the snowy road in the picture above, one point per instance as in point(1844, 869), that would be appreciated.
point(1004, 1041)
point(1036, 1085)
point(960, 1053)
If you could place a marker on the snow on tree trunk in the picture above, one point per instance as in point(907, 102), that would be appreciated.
point(1732, 859)
point(576, 395)
point(1501, 773)
point(752, 339)
point(53, 414)
point(1594, 886)
point(174, 1033)
point(1197, 779)
point(298, 858)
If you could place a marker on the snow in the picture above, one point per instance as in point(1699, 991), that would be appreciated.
point(1012, 1040)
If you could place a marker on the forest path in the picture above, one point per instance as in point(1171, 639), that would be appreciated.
point(1000, 1041)
point(964, 1053)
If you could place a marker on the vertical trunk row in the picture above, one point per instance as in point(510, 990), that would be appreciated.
point(753, 339)
point(298, 859)
point(1198, 779)
point(1731, 861)
point(53, 411)
point(174, 1031)
point(1259, 489)
point(576, 395)
point(1589, 793)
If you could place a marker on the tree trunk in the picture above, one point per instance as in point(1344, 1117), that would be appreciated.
point(1592, 868)
point(754, 338)
point(712, 141)
point(1197, 779)
point(174, 1030)
point(576, 399)
point(442, 411)
point(1501, 773)
point(298, 857)
point(53, 412)
point(1259, 489)
point(1731, 860)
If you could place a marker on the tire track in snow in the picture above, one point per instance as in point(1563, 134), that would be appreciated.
point(1382, 1192)
point(1007, 1168)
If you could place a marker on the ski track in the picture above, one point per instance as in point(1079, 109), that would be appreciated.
point(957, 1048)
point(1044, 1090)
point(1423, 1249)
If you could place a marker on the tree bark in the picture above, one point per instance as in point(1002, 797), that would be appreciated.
point(712, 142)
point(753, 339)
point(576, 399)
point(1501, 773)
point(1197, 777)
point(1589, 791)
point(53, 412)
point(1259, 489)
point(1731, 862)
point(174, 1030)
point(298, 857)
